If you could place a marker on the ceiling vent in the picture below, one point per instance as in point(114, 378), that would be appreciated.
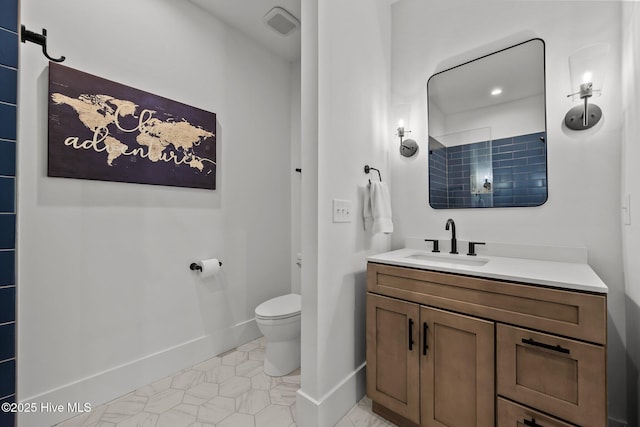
point(281, 21)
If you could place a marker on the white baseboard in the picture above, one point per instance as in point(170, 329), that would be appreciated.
point(330, 408)
point(105, 386)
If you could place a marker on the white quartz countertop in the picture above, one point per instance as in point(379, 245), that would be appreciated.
point(567, 275)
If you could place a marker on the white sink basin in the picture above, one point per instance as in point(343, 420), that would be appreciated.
point(449, 259)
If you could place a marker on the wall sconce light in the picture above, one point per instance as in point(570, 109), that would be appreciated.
point(586, 68)
point(408, 147)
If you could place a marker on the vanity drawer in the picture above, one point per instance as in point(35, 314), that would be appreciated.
point(555, 375)
point(574, 314)
point(513, 415)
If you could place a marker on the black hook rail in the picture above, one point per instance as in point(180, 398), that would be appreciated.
point(368, 169)
point(39, 39)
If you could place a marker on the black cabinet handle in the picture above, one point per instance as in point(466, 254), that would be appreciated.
point(425, 346)
point(410, 334)
point(557, 348)
point(531, 423)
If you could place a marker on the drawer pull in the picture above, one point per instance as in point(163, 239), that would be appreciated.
point(557, 348)
point(531, 423)
point(410, 334)
point(425, 346)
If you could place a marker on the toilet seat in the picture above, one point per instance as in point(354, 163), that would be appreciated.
point(282, 307)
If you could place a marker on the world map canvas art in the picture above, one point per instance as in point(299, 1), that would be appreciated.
point(102, 130)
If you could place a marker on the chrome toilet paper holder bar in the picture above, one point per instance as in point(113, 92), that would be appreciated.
point(196, 267)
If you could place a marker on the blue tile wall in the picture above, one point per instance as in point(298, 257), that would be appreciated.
point(7, 158)
point(8, 133)
point(519, 172)
point(9, 17)
point(8, 89)
point(8, 340)
point(459, 174)
point(7, 305)
point(7, 121)
point(7, 194)
point(7, 266)
point(8, 48)
point(7, 231)
point(7, 418)
point(8, 375)
point(438, 195)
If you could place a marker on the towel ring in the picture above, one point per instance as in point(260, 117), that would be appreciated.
point(368, 169)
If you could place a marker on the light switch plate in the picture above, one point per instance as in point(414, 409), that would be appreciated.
point(342, 210)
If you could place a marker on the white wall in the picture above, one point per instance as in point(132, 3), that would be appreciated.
point(630, 184)
point(504, 120)
point(583, 208)
point(106, 299)
point(345, 97)
point(296, 181)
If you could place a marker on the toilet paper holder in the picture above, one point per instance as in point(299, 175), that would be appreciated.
point(196, 267)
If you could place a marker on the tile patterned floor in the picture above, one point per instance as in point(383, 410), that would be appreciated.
point(229, 390)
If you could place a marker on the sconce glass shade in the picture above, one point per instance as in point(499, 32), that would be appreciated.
point(587, 71)
point(587, 65)
point(401, 112)
point(402, 116)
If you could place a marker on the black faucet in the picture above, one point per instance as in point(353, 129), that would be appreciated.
point(454, 242)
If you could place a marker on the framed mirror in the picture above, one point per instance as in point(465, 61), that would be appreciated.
point(488, 131)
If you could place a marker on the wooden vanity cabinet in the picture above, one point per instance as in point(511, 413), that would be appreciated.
point(459, 351)
point(393, 378)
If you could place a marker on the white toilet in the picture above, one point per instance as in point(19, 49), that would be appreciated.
point(279, 321)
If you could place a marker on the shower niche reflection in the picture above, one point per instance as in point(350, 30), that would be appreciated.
point(487, 131)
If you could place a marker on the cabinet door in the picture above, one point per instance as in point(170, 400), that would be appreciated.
point(559, 376)
point(392, 355)
point(457, 371)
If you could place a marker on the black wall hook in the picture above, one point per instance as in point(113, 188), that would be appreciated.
point(39, 39)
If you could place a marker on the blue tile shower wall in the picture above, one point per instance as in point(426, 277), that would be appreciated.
point(8, 131)
point(519, 172)
point(438, 195)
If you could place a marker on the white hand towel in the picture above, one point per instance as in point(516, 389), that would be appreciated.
point(367, 213)
point(377, 209)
